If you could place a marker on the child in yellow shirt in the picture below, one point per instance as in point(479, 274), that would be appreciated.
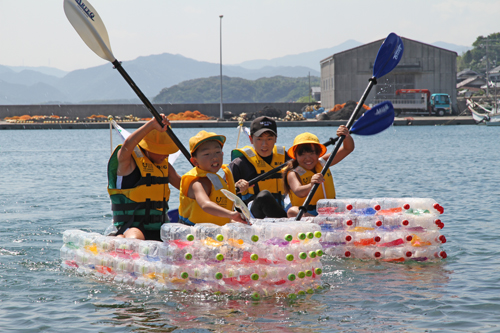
point(201, 198)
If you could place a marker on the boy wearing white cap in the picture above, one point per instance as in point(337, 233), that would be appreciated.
point(138, 181)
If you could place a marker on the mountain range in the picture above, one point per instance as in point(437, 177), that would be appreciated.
point(101, 84)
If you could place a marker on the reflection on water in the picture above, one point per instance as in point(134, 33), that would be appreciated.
point(353, 290)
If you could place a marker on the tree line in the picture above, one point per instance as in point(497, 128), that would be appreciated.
point(237, 90)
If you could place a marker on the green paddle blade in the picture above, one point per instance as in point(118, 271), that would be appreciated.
point(87, 23)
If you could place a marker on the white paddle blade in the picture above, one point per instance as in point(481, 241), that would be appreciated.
point(87, 23)
point(238, 203)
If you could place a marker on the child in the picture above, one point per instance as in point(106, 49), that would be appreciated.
point(139, 176)
point(265, 198)
point(305, 170)
point(201, 198)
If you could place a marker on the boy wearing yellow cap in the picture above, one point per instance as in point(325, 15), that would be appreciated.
point(304, 170)
point(138, 178)
point(201, 199)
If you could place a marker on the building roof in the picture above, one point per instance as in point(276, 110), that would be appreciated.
point(475, 81)
point(380, 42)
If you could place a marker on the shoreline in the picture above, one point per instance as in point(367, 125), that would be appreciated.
point(398, 121)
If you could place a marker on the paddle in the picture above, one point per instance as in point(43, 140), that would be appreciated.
point(373, 121)
point(87, 23)
point(388, 57)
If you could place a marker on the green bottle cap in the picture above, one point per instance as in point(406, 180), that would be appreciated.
point(309, 273)
point(310, 291)
point(254, 257)
point(184, 275)
point(312, 254)
point(319, 253)
point(188, 256)
point(217, 293)
point(317, 234)
point(291, 277)
point(289, 257)
point(219, 237)
point(218, 275)
point(254, 276)
point(301, 275)
point(319, 288)
point(256, 296)
point(301, 292)
point(255, 238)
point(318, 271)
point(310, 235)
point(219, 257)
point(302, 255)
point(292, 296)
point(288, 237)
point(190, 237)
point(301, 236)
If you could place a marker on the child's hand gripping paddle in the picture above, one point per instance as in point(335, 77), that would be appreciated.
point(388, 56)
point(87, 23)
point(238, 204)
point(374, 121)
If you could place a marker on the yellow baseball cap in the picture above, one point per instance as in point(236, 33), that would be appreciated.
point(305, 138)
point(204, 136)
point(158, 143)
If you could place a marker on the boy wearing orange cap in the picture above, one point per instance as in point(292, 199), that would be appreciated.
point(201, 199)
point(138, 178)
point(304, 170)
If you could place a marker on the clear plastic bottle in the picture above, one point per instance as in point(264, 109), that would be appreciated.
point(176, 231)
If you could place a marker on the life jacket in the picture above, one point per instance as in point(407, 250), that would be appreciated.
point(274, 183)
point(189, 210)
point(324, 191)
point(145, 203)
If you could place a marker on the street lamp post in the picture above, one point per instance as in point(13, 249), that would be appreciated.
point(221, 112)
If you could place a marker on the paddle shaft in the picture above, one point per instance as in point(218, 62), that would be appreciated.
point(350, 122)
point(151, 108)
point(279, 167)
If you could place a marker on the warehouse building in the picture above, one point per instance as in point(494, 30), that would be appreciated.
point(344, 75)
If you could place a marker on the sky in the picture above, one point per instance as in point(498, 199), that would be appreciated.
point(37, 33)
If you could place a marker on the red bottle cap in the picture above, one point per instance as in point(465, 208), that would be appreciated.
point(443, 254)
point(377, 254)
point(348, 222)
point(376, 239)
point(442, 239)
point(348, 238)
point(378, 223)
point(376, 207)
point(408, 254)
point(405, 222)
point(347, 253)
point(406, 206)
point(409, 238)
point(348, 207)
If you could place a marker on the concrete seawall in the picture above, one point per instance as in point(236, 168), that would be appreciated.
point(416, 121)
point(139, 110)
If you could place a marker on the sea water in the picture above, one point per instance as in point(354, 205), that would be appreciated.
point(55, 180)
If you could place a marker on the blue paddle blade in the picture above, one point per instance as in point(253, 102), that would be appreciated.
point(388, 56)
point(375, 120)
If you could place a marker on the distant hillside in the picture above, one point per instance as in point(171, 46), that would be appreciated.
point(103, 83)
point(237, 90)
point(307, 59)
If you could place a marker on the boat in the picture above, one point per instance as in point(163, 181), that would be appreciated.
point(484, 115)
point(268, 256)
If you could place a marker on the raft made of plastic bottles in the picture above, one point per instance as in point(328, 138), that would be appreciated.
point(260, 259)
point(388, 229)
